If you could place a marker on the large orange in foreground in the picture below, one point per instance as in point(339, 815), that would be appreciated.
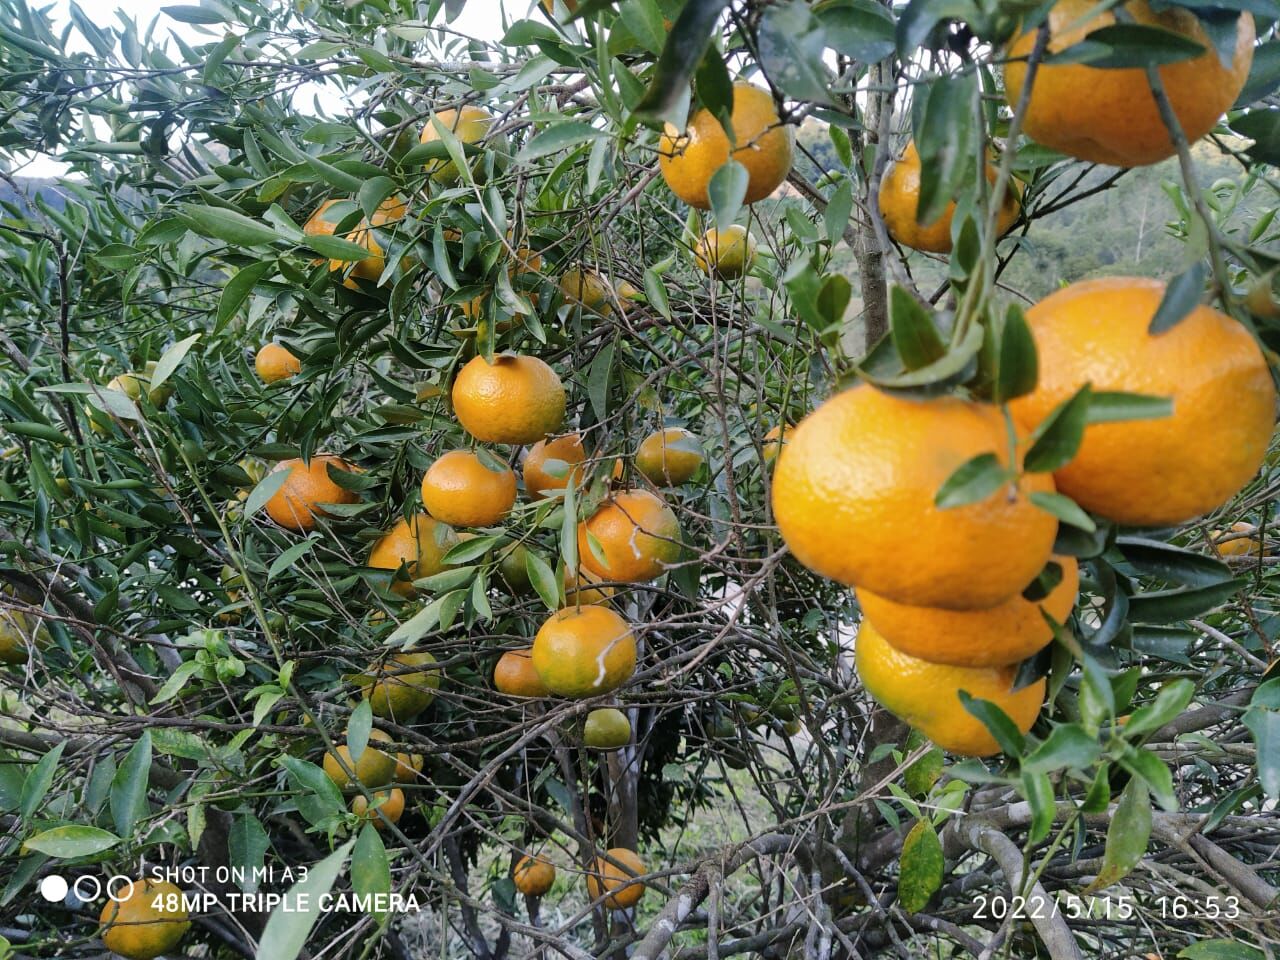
point(1162, 471)
point(463, 490)
point(1007, 633)
point(1109, 115)
point(516, 399)
point(763, 145)
point(584, 652)
point(297, 504)
point(638, 536)
point(927, 695)
point(148, 920)
point(854, 491)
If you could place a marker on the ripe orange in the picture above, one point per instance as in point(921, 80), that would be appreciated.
point(389, 806)
point(420, 544)
point(461, 489)
point(322, 223)
point(617, 881)
point(297, 504)
point(900, 199)
point(774, 441)
point(1110, 116)
point(146, 920)
point(606, 729)
point(15, 631)
point(853, 496)
point(533, 876)
point(927, 695)
point(370, 268)
point(514, 675)
point(517, 399)
point(727, 253)
point(408, 767)
point(373, 769)
point(582, 588)
point(400, 691)
point(669, 457)
point(1006, 634)
point(551, 465)
point(763, 145)
point(584, 652)
point(587, 289)
point(275, 362)
point(637, 534)
point(1160, 471)
point(1236, 547)
point(471, 124)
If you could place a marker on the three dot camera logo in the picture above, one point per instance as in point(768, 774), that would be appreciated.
point(86, 888)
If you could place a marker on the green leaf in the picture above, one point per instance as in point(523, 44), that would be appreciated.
point(833, 298)
point(920, 869)
point(1154, 772)
point(543, 579)
point(599, 377)
point(370, 868)
point(1120, 46)
point(791, 44)
point(238, 289)
point(1066, 747)
point(38, 780)
point(1065, 509)
point(1168, 606)
point(860, 29)
point(129, 786)
point(193, 14)
point(287, 929)
point(247, 846)
point(726, 190)
point(686, 43)
point(655, 292)
point(170, 359)
point(1005, 732)
point(944, 140)
point(1056, 440)
point(265, 489)
point(558, 137)
point(469, 550)
point(839, 206)
point(914, 334)
point(1220, 950)
point(715, 90)
point(1164, 561)
point(1264, 724)
point(229, 226)
point(1181, 296)
point(1017, 364)
point(289, 557)
point(1113, 406)
point(1038, 789)
point(1263, 128)
point(1127, 836)
point(1172, 699)
point(72, 841)
point(309, 778)
point(973, 481)
point(37, 431)
point(359, 726)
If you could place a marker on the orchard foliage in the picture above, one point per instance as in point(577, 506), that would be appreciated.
point(188, 663)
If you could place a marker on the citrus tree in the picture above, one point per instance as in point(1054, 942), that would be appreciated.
point(614, 487)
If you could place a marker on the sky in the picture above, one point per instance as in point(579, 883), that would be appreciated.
point(480, 18)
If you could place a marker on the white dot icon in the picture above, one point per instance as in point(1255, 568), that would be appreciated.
point(53, 888)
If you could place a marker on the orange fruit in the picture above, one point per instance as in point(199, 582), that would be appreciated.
point(669, 457)
point(606, 729)
point(587, 289)
point(774, 441)
point(853, 496)
point(1007, 633)
point(533, 876)
point(373, 769)
point(1161, 471)
point(145, 920)
point(617, 881)
point(419, 544)
point(388, 807)
point(584, 652)
point(408, 767)
point(637, 534)
point(900, 199)
point(370, 268)
point(927, 695)
point(727, 253)
point(275, 362)
point(1110, 116)
point(516, 399)
point(1238, 546)
point(471, 124)
point(15, 631)
point(582, 588)
point(322, 223)
point(297, 504)
point(763, 146)
point(514, 675)
point(551, 465)
point(461, 489)
point(549, 6)
point(400, 691)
